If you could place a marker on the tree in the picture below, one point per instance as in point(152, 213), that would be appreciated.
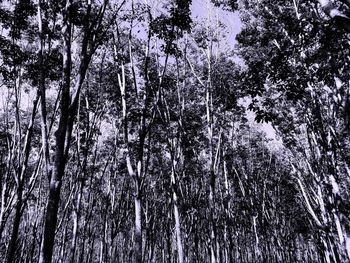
point(304, 102)
point(127, 136)
point(92, 23)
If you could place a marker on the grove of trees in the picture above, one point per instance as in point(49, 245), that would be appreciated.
point(125, 132)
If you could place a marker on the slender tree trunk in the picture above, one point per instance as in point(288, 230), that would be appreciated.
point(20, 173)
point(17, 220)
point(138, 229)
point(42, 92)
point(76, 215)
point(63, 244)
point(135, 176)
point(177, 219)
point(59, 165)
point(212, 175)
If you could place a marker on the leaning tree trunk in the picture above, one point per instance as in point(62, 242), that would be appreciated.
point(17, 220)
point(59, 164)
point(68, 110)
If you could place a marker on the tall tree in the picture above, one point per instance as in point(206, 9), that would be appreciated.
point(92, 25)
point(305, 98)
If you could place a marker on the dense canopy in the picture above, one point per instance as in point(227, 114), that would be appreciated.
point(139, 131)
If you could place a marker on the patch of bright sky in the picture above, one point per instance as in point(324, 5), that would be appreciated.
point(200, 10)
point(231, 20)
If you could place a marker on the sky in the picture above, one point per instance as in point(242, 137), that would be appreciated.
point(233, 26)
point(231, 20)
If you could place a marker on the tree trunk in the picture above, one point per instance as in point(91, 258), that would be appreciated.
point(177, 225)
point(138, 229)
point(60, 162)
point(76, 217)
point(17, 220)
point(50, 221)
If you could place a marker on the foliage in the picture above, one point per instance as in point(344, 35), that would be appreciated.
point(126, 123)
